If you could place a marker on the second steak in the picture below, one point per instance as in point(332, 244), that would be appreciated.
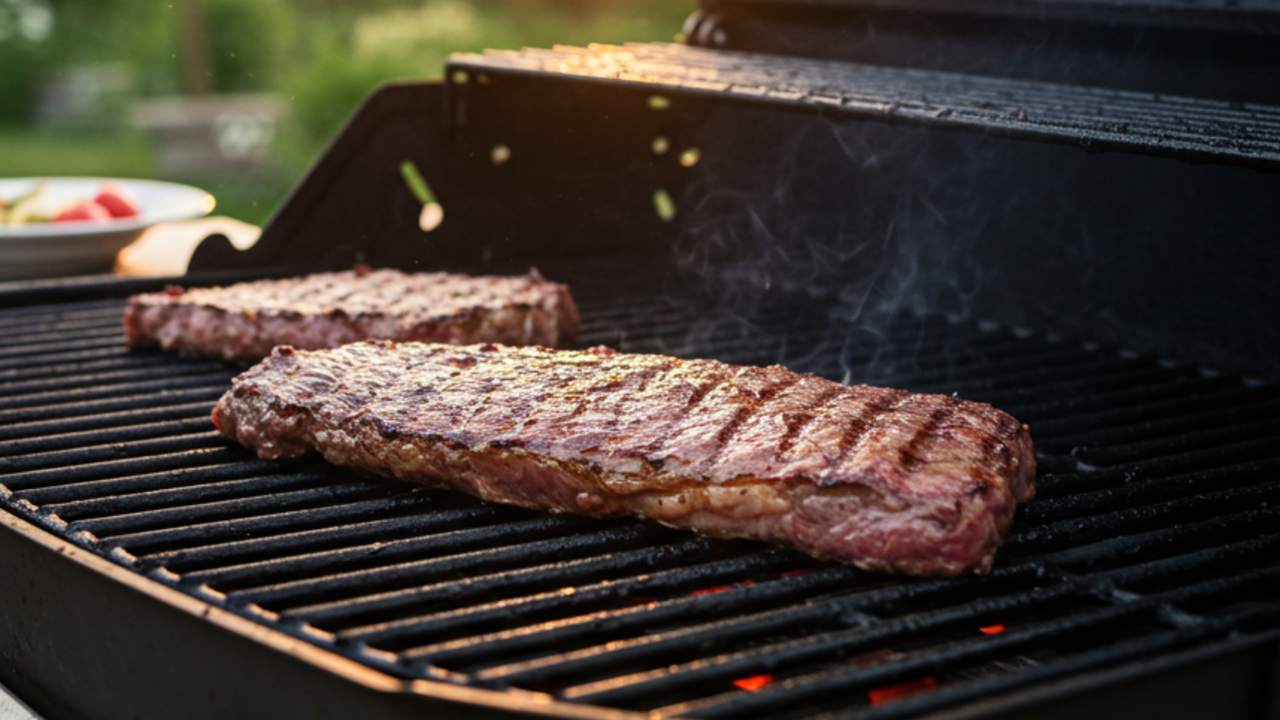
point(244, 321)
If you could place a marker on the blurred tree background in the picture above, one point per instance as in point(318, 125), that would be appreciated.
point(92, 87)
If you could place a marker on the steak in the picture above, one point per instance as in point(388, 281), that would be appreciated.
point(884, 479)
point(244, 321)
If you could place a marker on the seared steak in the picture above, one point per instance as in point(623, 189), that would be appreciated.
point(883, 479)
point(244, 321)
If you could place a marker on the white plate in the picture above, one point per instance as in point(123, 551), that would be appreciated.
point(45, 249)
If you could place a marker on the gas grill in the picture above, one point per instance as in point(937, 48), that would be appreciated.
point(1097, 261)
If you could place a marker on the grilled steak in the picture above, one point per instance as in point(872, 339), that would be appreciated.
point(244, 321)
point(884, 479)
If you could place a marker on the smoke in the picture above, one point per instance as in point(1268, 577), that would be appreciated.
point(828, 244)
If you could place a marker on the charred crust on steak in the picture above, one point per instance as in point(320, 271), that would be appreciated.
point(385, 429)
point(879, 478)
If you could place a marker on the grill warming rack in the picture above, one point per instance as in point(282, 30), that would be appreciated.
point(1155, 530)
point(1095, 116)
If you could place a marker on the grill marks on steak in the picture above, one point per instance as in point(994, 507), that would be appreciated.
point(881, 478)
point(244, 321)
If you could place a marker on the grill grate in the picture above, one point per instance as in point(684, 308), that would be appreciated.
point(1155, 529)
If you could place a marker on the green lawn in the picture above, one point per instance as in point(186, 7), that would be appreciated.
point(34, 152)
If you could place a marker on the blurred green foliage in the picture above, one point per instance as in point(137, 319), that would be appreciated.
point(28, 152)
point(321, 56)
point(355, 49)
point(23, 51)
point(249, 42)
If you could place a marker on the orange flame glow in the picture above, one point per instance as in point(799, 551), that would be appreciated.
point(720, 588)
point(901, 690)
point(991, 629)
point(754, 683)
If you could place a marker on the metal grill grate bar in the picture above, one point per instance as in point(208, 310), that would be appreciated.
point(90, 438)
point(199, 532)
point(1136, 452)
point(13, 354)
point(55, 317)
point(118, 377)
point(221, 510)
point(58, 367)
point(1107, 496)
point(54, 339)
point(662, 682)
point(116, 505)
point(290, 568)
point(121, 468)
point(110, 351)
point(83, 490)
point(309, 590)
point(61, 459)
point(1111, 654)
point(57, 398)
point(236, 552)
point(547, 581)
point(647, 614)
point(207, 393)
point(405, 632)
point(103, 420)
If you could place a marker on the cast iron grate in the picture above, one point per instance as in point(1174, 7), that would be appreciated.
point(1155, 528)
point(1214, 130)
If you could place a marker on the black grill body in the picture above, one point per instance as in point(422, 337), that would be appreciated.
point(865, 224)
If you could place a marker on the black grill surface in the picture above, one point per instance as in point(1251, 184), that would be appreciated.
point(1155, 528)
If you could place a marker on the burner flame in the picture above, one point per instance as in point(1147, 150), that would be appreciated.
point(991, 629)
point(901, 690)
point(754, 683)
